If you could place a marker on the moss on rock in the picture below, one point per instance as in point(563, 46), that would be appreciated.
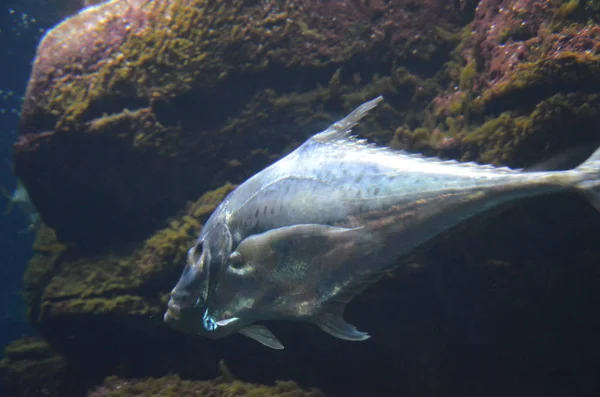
point(151, 83)
point(31, 368)
point(515, 98)
point(173, 385)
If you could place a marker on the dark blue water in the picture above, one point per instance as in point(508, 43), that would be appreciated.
point(22, 23)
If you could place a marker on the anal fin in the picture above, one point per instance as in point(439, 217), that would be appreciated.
point(334, 324)
point(261, 334)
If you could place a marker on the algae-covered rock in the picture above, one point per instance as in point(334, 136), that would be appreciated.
point(134, 107)
point(47, 250)
point(223, 386)
point(523, 85)
point(30, 368)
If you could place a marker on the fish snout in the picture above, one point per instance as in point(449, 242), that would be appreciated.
point(173, 312)
point(179, 302)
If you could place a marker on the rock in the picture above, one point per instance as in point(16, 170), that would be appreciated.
point(31, 368)
point(527, 87)
point(173, 385)
point(132, 109)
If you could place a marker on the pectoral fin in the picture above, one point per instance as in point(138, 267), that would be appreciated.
point(314, 246)
point(223, 323)
point(303, 234)
point(305, 243)
point(262, 335)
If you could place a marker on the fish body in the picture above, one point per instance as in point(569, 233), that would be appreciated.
point(301, 238)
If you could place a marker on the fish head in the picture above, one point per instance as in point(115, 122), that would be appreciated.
point(277, 274)
point(281, 274)
point(245, 293)
point(240, 296)
point(259, 281)
point(185, 309)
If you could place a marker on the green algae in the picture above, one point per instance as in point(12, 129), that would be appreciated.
point(188, 46)
point(467, 76)
point(567, 8)
point(47, 252)
point(31, 368)
point(495, 138)
point(27, 348)
point(224, 385)
point(175, 48)
point(522, 110)
point(554, 123)
point(516, 137)
point(122, 304)
point(567, 70)
point(184, 48)
point(173, 385)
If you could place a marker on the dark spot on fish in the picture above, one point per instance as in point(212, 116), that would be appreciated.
point(358, 178)
point(376, 192)
point(256, 213)
point(390, 178)
point(287, 189)
point(358, 194)
point(272, 211)
point(265, 211)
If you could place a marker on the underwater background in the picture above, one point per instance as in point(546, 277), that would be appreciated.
point(22, 24)
point(140, 116)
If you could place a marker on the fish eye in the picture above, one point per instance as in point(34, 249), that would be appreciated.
point(236, 260)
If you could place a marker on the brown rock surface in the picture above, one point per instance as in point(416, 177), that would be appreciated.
point(134, 107)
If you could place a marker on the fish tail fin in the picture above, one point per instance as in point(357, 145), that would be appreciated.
point(589, 184)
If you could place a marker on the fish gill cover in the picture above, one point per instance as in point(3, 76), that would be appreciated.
point(140, 116)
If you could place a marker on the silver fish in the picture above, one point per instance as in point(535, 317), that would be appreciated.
point(20, 198)
point(301, 238)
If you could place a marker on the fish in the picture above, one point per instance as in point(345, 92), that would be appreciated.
point(301, 238)
point(20, 197)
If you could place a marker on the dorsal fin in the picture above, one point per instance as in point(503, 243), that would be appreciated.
point(340, 134)
point(341, 129)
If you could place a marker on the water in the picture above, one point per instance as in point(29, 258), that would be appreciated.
point(22, 24)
